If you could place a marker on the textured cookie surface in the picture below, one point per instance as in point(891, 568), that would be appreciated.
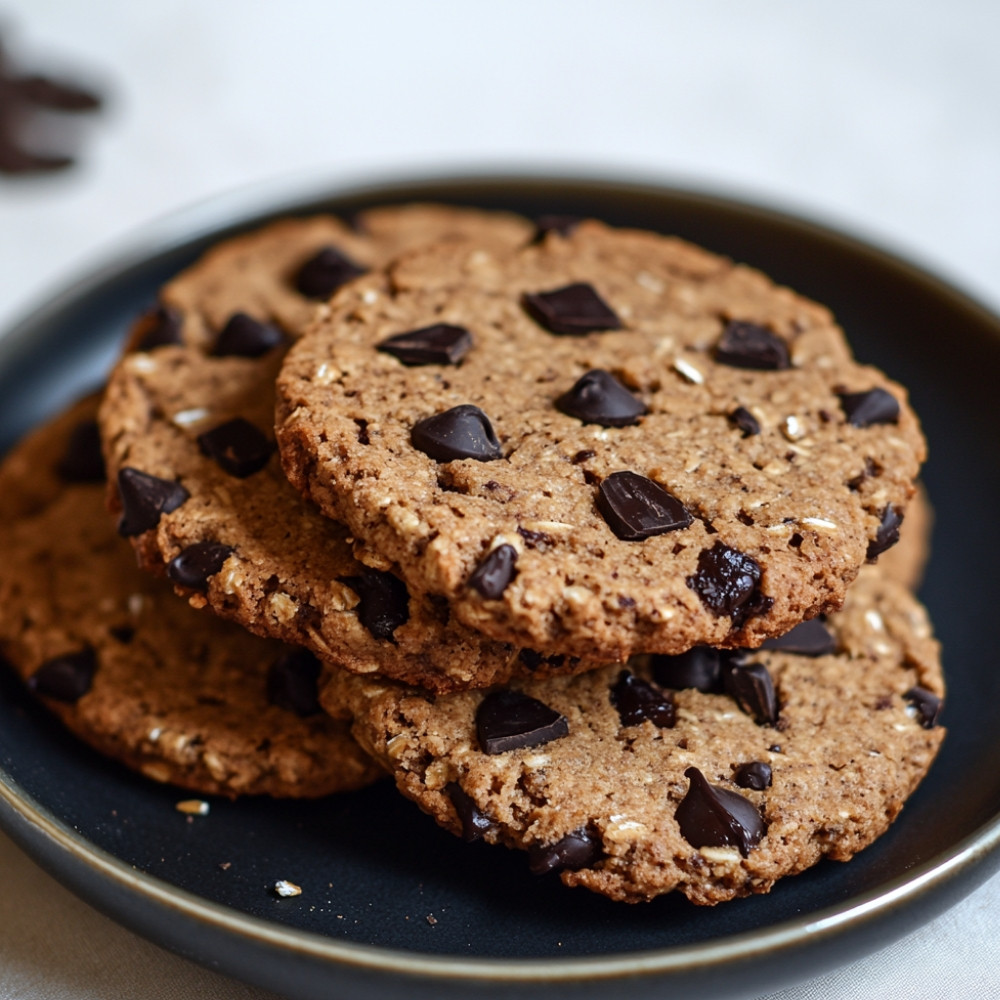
point(284, 570)
point(722, 477)
point(181, 696)
point(651, 780)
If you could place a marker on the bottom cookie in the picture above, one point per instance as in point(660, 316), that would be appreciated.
point(709, 774)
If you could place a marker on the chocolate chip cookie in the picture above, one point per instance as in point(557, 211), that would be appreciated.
point(602, 443)
point(180, 696)
point(712, 773)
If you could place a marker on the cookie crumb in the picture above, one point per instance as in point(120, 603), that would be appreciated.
point(284, 888)
point(431, 919)
point(193, 807)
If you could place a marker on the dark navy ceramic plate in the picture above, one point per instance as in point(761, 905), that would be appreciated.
point(392, 905)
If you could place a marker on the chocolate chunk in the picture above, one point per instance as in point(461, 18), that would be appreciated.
point(82, 461)
point(293, 683)
point(599, 398)
point(887, 534)
point(509, 720)
point(495, 572)
point(195, 564)
point(144, 499)
point(562, 225)
point(701, 668)
point(323, 274)
point(246, 337)
point(474, 822)
point(745, 421)
point(159, 327)
point(383, 601)
point(750, 685)
point(237, 446)
point(811, 638)
point(756, 775)
point(575, 309)
point(637, 701)
point(67, 677)
point(441, 344)
point(576, 850)
point(716, 817)
point(122, 633)
point(747, 345)
point(877, 406)
point(927, 704)
point(636, 508)
point(461, 432)
point(728, 583)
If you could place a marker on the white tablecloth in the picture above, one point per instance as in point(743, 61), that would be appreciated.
point(881, 118)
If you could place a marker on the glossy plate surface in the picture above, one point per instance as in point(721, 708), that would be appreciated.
point(392, 904)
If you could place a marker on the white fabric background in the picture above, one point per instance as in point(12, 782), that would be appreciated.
point(883, 118)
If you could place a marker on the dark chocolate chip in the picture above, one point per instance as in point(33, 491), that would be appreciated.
point(927, 704)
point(159, 327)
point(67, 677)
point(562, 225)
point(863, 409)
point(441, 344)
point(246, 337)
point(323, 274)
point(745, 421)
point(293, 683)
point(748, 345)
point(462, 432)
point(474, 822)
point(699, 668)
point(750, 685)
point(575, 309)
point(756, 775)
point(195, 564)
point(811, 638)
point(122, 633)
point(636, 508)
point(599, 398)
point(82, 461)
point(728, 583)
point(637, 701)
point(583, 456)
point(509, 720)
point(576, 850)
point(144, 499)
point(716, 817)
point(887, 534)
point(237, 446)
point(495, 572)
point(383, 601)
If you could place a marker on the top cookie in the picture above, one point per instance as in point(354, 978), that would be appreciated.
point(634, 445)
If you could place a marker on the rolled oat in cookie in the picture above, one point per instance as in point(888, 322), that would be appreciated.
point(639, 447)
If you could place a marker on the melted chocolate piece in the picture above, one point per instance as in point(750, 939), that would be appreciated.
point(728, 583)
point(144, 499)
point(441, 344)
point(887, 534)
point(82, 461)
point(599, 398)
point(474, 822)
point(575, 309)
point(637, 701)
point(508, 720)
point(863, 409)
point(195, 564)
point(701, 668)
point(563, 225)
point(811, 638)
point(495, 572)
point(636, 508)
point(65, 678)
point(750, 685)
point(462, 432)
point(320, 276)
point(159, 327)
point(716, 817)
point(755, 775)
point(383, 601)
point(927, 704)
point(237, 447)
point(748, 345)
point(745, 421)
point(246, 337)
point(576, 850)
point(293, 683)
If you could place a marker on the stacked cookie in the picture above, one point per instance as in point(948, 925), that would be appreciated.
point(574, 527)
